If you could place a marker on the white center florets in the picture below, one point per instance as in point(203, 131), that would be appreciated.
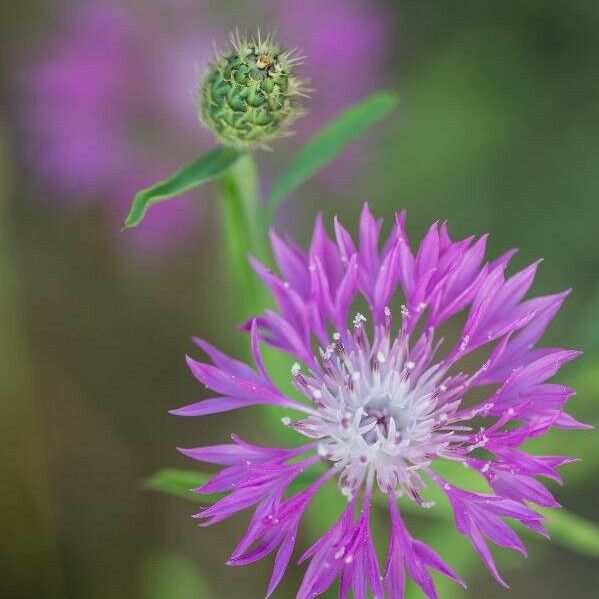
point(381, 407)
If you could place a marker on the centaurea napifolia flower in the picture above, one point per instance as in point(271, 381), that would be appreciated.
point(383, 399)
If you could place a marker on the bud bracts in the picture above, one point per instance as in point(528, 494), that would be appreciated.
point(248, 96)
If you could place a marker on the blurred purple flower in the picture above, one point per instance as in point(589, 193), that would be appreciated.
point(103, 112)
point(345, 42)
point(382, 405)
point(108, 103)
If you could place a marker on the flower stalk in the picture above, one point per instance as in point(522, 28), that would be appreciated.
point(243, 231)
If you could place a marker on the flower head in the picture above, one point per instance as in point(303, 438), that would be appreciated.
point(383, 400)
point(248, 96)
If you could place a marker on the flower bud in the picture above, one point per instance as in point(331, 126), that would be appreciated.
point(249, 95)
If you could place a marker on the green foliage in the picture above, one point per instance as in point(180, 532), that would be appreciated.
point(328, 143)
point(312, 157)
point(568, 530)
point(204, 169)
point(170, 575)
point(572, 532)
point(180, 483)
point(248, 97)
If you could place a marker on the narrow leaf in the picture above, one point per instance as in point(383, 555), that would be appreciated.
point(565, 528)
point(572, 531)
point(179, 483)
point(202, 170)
point(329, 142)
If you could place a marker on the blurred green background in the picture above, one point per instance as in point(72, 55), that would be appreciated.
point(497, 131)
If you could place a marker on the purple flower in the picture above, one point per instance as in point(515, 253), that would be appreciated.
point(102, 113)
point(385, 399)
point(347, 46)
point(408, 553)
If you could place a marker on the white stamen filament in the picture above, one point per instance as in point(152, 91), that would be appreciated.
point(380, 413)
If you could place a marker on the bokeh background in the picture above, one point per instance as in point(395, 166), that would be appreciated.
point(498, 131)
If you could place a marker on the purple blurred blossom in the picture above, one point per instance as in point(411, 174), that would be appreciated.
point(107, 101)
point(346, 43)
point(382, 403)
point(101, 101)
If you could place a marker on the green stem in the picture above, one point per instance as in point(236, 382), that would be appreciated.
point(244, 229)
point(243, 232)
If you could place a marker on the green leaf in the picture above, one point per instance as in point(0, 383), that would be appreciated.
point(566, 529)
point(329, 142)
point(170, 575)
point(180, 483)
point(572, 531)
point(195, 173)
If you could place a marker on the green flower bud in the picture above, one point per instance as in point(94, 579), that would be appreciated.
point(249, 95)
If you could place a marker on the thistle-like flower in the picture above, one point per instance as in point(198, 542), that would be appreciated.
point(249, 95)
point(385, 400)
